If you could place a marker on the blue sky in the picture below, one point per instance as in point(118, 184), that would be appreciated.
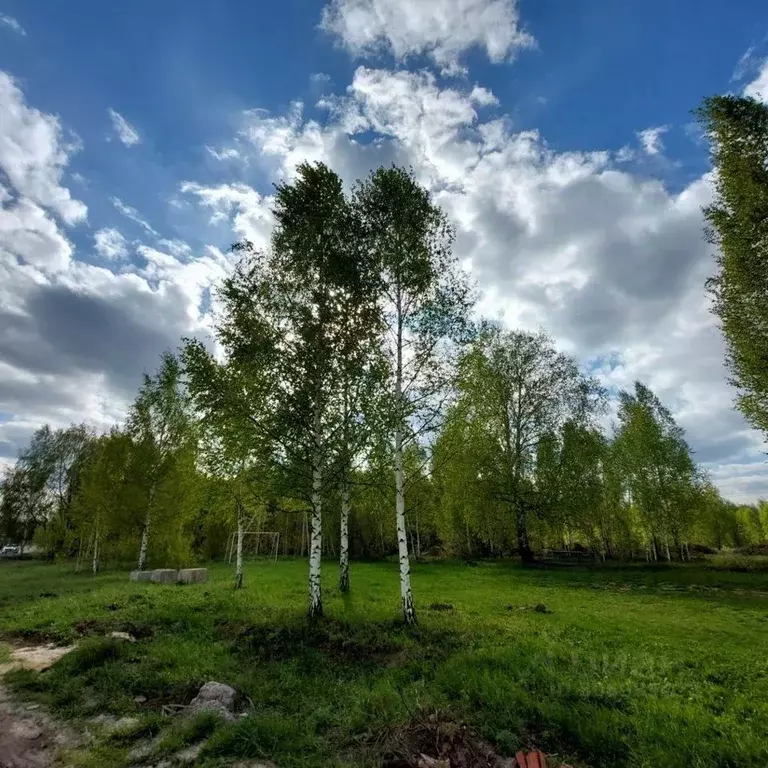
point(138, 140)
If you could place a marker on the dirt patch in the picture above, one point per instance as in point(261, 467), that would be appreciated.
point(335, 641)
point(432, 739)
point(28, 738)
point(36, 657)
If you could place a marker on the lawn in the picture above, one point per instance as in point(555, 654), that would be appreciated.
point(607, 666)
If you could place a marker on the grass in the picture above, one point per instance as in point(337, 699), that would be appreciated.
point(605, 666)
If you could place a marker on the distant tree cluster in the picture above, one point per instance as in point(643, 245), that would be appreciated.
point(350, 405)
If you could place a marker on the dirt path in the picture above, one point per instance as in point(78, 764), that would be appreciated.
point(29, 738)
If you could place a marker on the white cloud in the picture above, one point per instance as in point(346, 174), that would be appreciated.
point(228, 153)
point(110, 244)
point(9, 21)
point(745, 64)
point(758, 88)
point(613, 264)
point(131, 213)
point(33, 153)
point(127, 134)
point(74, 337)
point(237, 205)
point(29, 234)
point(651, 141)
point(440, 29)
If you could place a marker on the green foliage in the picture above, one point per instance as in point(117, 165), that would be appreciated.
point(516, 392)
point(738, 132)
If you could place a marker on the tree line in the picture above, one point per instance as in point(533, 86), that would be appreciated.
point(351, 402)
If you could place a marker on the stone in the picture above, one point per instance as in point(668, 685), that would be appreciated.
point(140, 752)
point(189, 755)
point(122, 724)
point(193, 575)
point(122, 636)
point(139, 699)
point(164, 576)
point(214, 697)
point(141, 575)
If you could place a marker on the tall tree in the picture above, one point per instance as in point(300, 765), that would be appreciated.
point(288, 309)
point(658, 468)
point(519, 391)
point(98, 504)
point(159, 423)
point(25, 505)
point(738, 225)
point(232, 403)
point(424, 299)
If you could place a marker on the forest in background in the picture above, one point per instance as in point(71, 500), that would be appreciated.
point(352, 402)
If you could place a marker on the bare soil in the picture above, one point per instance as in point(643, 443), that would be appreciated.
point(29, 738)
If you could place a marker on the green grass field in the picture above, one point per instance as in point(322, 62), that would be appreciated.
point(627, 667)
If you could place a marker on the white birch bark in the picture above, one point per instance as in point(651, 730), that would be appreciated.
point(239, 557)
point(95, 565)
point(144, 545)
point(344, 539)
point(406, 595)
point(316, 536)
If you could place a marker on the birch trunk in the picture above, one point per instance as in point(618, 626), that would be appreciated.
point(239, 556)
point(406, 595)
point(316, 536)
point(145, 531)
point(344, 539)
point(144, 545)
point(96, 562)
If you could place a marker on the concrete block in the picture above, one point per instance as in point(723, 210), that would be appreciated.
point(165, 576)
point(193, 575)
point(141, 575)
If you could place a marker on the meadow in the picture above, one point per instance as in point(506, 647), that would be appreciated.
point(604, 666)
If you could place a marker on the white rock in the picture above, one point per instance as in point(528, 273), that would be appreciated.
point(214, 697)
point(189, 755)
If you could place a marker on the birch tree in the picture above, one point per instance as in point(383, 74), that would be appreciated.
point(518, 391)
point(104, 485)
point(658, 468)
point(159, 423)
point(232, 403)
point(287, 309)
point(424, 300)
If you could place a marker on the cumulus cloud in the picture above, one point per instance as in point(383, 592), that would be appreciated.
point(74, 337)
point(440, 29)
point(758, 88)
point(110, 244)
point(613, 264)
point(9, 21)
point(33, 153)
point(651, 139)
point(127, 134)
point(238, 206)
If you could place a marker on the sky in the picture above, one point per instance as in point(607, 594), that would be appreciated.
point(139, 140)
